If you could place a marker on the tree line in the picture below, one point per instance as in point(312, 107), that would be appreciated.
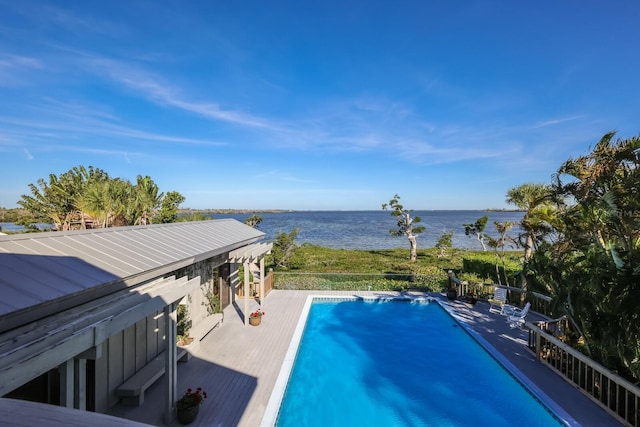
point(87, 197)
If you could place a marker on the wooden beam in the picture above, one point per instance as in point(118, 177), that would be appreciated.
point(246, 293)
point(262, 282)
point(80, 384)
point(66, 384)
point(170, 371)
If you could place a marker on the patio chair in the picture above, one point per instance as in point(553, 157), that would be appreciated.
point(499, 301)
point(517, 319)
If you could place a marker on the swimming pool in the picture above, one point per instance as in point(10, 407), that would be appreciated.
point(394, 362)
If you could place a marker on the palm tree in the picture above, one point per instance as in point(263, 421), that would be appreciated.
point(593, 267)
point(57, 199)
point(535, 200)
point(107, 201)
point(145, 201)
point(499, 244)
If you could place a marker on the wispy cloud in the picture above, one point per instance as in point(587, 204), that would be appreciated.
point(554, 122)
point(358, 124)
point(159, 90)
point(59, 124)
point(14, 67)
point(27, 154)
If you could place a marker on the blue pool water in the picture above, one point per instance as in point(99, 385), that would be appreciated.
point(364, 363)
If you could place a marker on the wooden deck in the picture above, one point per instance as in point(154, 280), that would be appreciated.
point(238, 366)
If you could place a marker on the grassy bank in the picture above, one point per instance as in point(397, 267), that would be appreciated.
point(316, 267)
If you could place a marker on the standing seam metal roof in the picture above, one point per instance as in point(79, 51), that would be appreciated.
point(67, 268)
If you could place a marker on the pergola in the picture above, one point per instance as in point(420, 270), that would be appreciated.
point(248, 255)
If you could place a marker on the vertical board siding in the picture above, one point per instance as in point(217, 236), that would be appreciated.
point(102, 381)
point(129, 350)
point(151, 340)
point(160, 333)
point(115, 368)
point(140, 355)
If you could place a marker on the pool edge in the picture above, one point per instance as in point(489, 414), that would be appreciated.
point(272, 410)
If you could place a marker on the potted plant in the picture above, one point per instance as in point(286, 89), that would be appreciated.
point(189, 405)
point(472, 296)
point(256, 317)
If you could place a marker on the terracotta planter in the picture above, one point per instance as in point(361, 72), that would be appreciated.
point(255, 321)
point(188, 415)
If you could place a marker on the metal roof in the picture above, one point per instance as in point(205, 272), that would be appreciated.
point(44, 273)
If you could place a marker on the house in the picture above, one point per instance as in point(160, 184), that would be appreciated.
point(84, 311)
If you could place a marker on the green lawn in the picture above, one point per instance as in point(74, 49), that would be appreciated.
point(316, 267)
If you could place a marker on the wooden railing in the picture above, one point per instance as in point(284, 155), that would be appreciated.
point(268, 282)
point(616, 395)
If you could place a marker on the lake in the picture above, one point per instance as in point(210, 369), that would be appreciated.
point(368, 229)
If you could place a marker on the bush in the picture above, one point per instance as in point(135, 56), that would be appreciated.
point(358, 282)
point(483, 265)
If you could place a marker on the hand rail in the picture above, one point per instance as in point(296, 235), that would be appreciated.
point(613, 393)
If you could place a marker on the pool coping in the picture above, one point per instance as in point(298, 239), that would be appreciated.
point(556, 410)
point(272, 410)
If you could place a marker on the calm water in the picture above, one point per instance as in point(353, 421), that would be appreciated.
point(368, 229)
point(353, 368)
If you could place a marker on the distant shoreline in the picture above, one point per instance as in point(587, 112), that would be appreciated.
point(232, 211)
point(257, 211)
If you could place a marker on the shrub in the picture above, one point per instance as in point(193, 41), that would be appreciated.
point(484, 266)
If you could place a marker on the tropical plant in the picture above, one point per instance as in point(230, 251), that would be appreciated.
point(477, 228)
point(106, 201)
point(56, 201)
point(406, 224)
point(499, 245)
point(82, 194)
point(169, 207)
point(593, 267)
point(536, 201)
point(145, 201)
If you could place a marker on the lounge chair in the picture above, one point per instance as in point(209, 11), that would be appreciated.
point(517, 319)
point(499, 301)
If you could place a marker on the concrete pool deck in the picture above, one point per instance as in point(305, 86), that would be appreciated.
point(238, 366)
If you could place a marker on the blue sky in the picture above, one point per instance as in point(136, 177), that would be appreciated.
point(314, 105)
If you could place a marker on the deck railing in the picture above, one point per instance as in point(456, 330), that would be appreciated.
point(616, 395)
